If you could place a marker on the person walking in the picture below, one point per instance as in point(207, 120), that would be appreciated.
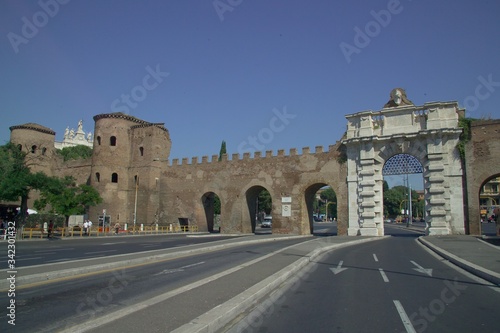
point(497, 220)
point(89, 227)
point(85, 227)
point(50, 228)
point(117, 228)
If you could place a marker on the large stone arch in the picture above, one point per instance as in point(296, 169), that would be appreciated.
point(250, 198)
point(430, 133)
point(308, 199)
point(208, 202)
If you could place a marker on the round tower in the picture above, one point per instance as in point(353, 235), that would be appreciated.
point(123, 168)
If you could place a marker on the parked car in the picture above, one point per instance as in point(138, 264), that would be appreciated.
point(267, 223)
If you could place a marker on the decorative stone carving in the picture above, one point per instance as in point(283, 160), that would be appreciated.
point(398, 98)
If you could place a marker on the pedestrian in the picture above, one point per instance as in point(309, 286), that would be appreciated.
point(117, 228)
point(3, 227)
point(89, 226)
point(49, 229)
point(497, 219)
point(85, 227)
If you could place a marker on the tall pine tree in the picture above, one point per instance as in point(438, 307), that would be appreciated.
point(222, 150)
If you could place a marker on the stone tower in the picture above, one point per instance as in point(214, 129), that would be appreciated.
point(126, 168)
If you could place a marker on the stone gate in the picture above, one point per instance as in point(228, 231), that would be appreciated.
point(429, 133)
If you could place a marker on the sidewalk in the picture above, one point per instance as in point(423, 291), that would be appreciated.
point(479, 256)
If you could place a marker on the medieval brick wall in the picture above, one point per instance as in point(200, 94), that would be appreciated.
point(238, 181)
point(482, 163)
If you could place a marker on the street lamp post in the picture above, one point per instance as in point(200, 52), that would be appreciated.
point(135, 205)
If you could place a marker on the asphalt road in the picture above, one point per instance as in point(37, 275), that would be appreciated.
point(47, 251)
point(392, 285)
point(57, 306)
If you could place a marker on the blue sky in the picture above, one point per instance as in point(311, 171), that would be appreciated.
point(261, 75)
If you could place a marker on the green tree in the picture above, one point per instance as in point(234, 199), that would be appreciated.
point(17, 180)
point(75, 153)
point(222, 150)
point(265, 202)
point(217, 205)
point(329, 195)
point(396, 198)
point(65, 197)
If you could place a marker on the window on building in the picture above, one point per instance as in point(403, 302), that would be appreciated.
point(112, 141)
point(44, 151)
point(141, 150)
point(98, 177)
point(98, 140)
point(33, 149)
point(114, 178)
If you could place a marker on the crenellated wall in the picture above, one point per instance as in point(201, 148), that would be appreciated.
point(237, 182)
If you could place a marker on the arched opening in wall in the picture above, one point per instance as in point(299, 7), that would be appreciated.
point(489, 205)
point(98, 140)
point(112, 141)
point(260, 207)
point(403, 193)
point(141, 151)
point(44, 151)
point(212, 205)
point(114, 178)
point(97, 177)
point(33, 149)
point(321, 202)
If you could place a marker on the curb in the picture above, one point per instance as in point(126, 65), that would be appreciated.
point(479, 271)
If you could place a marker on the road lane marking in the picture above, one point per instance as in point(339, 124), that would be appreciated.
point(180, 269)
point(57, 260)
point(404, 317)
point(375, 257)
point(338, 269)
point(384, 277)
point(113, 243)
point(100, 252)
point(420, 269)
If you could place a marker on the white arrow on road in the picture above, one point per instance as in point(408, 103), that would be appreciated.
point(420, 269)
point(338, 269)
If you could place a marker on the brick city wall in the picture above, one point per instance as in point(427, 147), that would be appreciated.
point(482, 163)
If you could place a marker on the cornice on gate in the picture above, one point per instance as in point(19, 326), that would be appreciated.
point(404, 121)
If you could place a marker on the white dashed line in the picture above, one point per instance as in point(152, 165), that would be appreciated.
point(384, 277)
point(404, 317)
